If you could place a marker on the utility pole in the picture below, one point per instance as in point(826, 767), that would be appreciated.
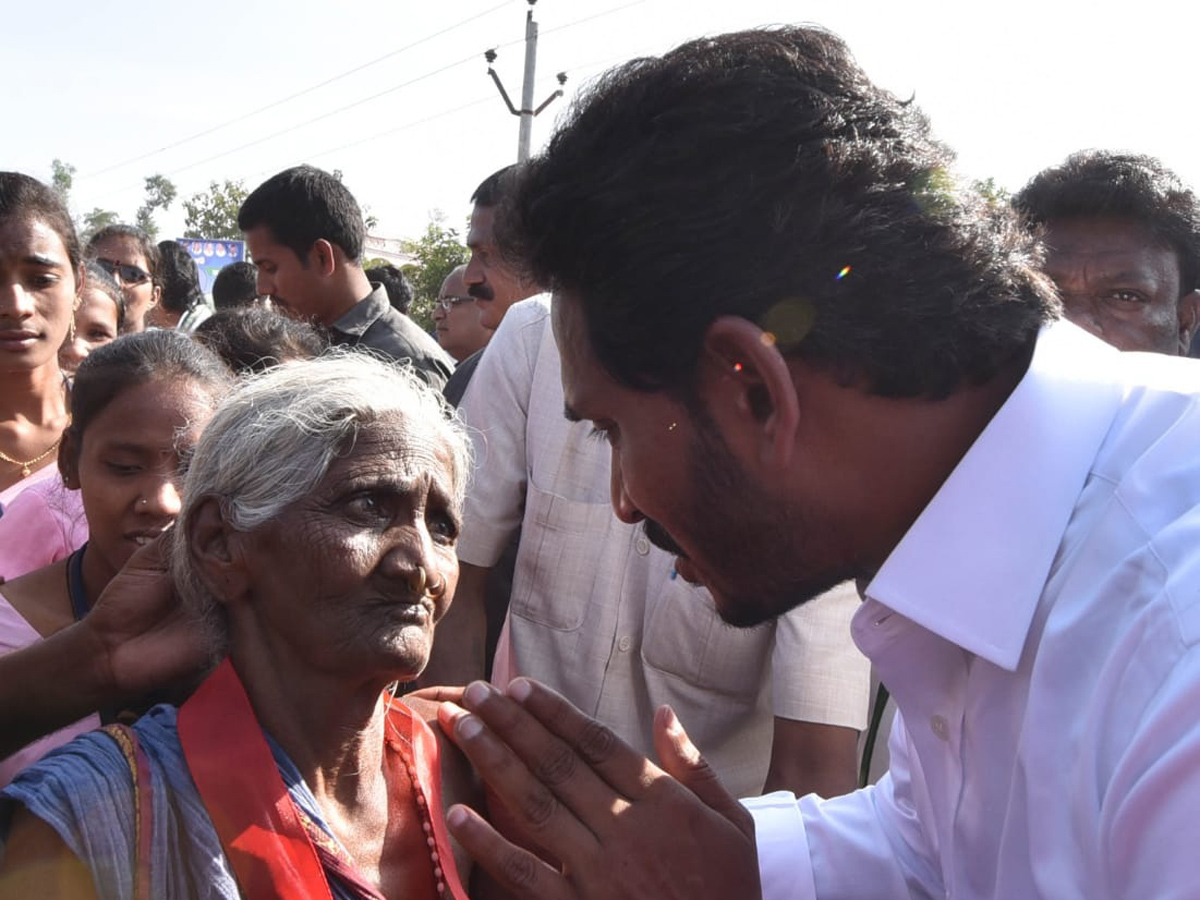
point(527, 111)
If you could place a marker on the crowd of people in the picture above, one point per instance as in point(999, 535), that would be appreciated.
point(746, 414)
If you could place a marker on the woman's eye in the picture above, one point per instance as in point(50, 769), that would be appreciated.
point(369, 507)
point(117, 468)
point(97, 335)
point(442, 527)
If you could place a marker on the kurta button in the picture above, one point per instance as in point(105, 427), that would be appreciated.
point(643, 546)
point(939, 727)
point(624, 644)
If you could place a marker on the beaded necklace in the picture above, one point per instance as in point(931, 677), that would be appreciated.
point(403, 748)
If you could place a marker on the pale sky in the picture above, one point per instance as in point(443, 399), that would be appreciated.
point(1012, 87)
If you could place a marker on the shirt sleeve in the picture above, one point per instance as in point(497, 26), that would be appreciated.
point(31, 535)
point(1147, 828)
point(495, 409)
point(867, 845)
point(817, 673)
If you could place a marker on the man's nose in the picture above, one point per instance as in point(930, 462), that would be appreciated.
point(623, 506)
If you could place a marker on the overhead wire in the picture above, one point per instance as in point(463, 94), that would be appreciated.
point(352, 105)
point(308, 90)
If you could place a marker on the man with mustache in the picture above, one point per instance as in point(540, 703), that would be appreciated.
point(598, 610)
point(493, 283)
point(816, 354)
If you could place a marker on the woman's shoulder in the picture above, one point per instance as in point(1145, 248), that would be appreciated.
point(38, 600)
point(42, 525)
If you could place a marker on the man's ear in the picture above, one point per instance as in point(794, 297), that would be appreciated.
point(748, 388)
point(321, 255)
point(1189, 318)
point(217, 552)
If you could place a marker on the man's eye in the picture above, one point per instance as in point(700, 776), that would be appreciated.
point(97, 335)
point(606, 433)
point(1127, 297)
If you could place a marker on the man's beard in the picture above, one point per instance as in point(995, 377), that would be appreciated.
point(764, 550)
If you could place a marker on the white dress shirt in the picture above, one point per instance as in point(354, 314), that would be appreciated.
point(1038, 627)
point(596, 611)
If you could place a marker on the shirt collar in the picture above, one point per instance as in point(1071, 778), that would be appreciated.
point(974, 564)
point(363, 314)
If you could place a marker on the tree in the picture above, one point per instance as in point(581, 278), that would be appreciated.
point(61, 178)
point(213, 214)
point(95, 220)
point(160, 194)
point(438, 251)
point(994, 194)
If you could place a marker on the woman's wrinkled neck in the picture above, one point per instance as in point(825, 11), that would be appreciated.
point(332, 729)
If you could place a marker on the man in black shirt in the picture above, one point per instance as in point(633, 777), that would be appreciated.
point(305, 232)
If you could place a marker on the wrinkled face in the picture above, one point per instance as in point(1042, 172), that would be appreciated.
point(140, 291)
point(341, 579)
point(284, 276)
point(1119, 284)
point(459, 330)
point(494, 287)
point(37, 292)
point(95, 325)
point(127, 469)
point(674, 470)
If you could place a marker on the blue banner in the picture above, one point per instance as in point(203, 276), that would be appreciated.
point(211, 256)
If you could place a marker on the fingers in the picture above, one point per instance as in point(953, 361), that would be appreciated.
point(682, 761)
point(438, 694)
point(518, 871)
point(625, 770)
point(534, 807)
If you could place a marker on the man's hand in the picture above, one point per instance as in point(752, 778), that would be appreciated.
point(622, 827)
point(144, 638)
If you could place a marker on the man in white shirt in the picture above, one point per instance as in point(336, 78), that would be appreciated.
point(891, 397)
point(598, 613)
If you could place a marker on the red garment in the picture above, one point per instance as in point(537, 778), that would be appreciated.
point(267, 838)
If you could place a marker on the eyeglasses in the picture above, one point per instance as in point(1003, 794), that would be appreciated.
point(448, 303)
point(125, 273)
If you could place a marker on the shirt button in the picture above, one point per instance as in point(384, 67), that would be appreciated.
point(624, 644)
point(939, 727)
point(643, 546)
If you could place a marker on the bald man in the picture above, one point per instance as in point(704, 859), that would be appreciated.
point(456, 318)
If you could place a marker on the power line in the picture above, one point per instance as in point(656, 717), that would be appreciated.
point(290, 97)
point(330, 113)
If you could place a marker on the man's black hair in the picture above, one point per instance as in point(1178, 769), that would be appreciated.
point(1129, 186)
point(236, 285)
point(303, 205)
point(178, 277)
point(399, 291)
point(761, 174)
point(493, 189)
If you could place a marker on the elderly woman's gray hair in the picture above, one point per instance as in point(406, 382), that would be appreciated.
point(274, 438)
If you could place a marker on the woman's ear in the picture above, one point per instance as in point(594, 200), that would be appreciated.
point(216, 551)
point(749, 388)
point(68, 459)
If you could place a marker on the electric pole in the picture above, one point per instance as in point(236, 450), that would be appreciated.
point(527, 111)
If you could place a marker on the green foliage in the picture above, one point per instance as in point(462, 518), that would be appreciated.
point(993, 193)
point(61, 178)
point(95, 220)
point(160, 194)
point(213, 213)
point(438, 251)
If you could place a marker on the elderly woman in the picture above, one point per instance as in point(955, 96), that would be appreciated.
point(317, 538)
